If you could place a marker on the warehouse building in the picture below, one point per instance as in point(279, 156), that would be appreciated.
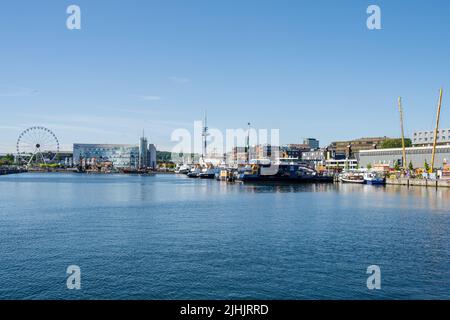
point(416, 155)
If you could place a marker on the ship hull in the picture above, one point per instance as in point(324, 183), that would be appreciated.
point(376, 182)
point(343, 180)
point(206, 175)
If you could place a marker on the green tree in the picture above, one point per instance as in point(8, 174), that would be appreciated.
point(395, 143)
point(10, 158)
point(7, 160)
point(410, 166)
point(369, 166)
point(426, 166)
point(396, 166)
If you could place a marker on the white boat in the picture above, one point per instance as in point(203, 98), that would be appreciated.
point(183, 169)
point(374, 178)
point(352, 177)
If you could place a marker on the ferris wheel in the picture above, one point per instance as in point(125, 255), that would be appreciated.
point(37, 144)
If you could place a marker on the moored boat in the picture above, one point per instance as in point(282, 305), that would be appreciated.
point(183, 169)
point(353, 176)
point(194, 172)
point(284, 170)
point(374, 178)
point(208, 173)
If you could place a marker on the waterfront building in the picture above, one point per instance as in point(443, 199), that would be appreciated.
point(338, 165)
point(312, 143)
point(316, 157)
point(151, 157)
point(426, 138)
point(294, 150)
point(147, 154)
point(416, 155)
point(348, 149)
point(120, 155)
point(143, 153)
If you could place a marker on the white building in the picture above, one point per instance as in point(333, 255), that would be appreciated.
point(426, 138)
point(341, 164)
point(417, 156)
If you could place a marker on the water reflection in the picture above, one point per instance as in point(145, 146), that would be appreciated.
point(180, 238)
point(287, 188)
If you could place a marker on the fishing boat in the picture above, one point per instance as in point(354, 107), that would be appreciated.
point(283, 170)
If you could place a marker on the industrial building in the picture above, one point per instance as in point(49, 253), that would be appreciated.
point(416, 155)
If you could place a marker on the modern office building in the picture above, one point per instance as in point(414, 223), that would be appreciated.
point(426, 138)
point(416, 155)
point(143, 153)
point(151, 157)
point(312, 143)
point(120, 155)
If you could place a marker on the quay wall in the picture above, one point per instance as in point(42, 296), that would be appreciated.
point(5, 171)
point(419, 182)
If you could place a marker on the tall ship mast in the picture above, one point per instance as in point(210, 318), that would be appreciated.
point(204, 137)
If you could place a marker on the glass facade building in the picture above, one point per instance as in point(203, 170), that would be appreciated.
point(120, 155)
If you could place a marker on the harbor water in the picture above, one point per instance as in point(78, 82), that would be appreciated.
point(171, 237)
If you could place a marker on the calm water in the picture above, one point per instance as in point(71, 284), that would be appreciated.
point(170, 237)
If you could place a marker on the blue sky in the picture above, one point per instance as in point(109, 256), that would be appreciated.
point(309, 68)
